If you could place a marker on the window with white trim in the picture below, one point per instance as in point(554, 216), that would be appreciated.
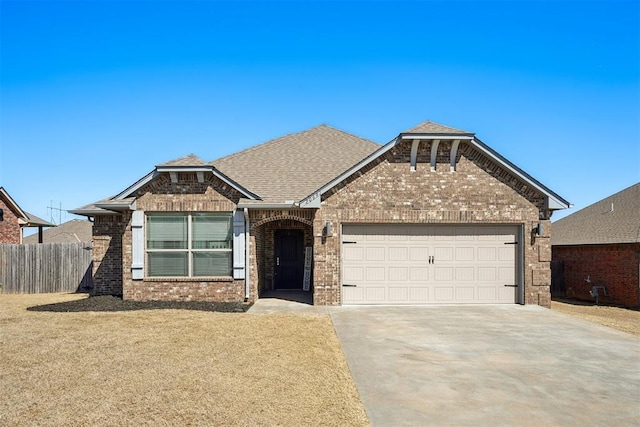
point(189, 244)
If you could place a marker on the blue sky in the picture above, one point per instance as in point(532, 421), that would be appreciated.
point(93, 94)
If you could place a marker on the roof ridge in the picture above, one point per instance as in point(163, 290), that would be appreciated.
point(431, 123)
point(280, 138)
point(178, 159)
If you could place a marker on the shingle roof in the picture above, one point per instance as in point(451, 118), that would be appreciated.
point(29, 219)
point(294, 166)
point(189, 160)
point(429, 127)
point(615, 219)
point(34, 221)
point(76, 230)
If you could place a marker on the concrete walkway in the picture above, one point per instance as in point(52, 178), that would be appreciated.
point(489, 366)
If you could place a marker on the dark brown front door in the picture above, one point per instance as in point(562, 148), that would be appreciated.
point(289, 259)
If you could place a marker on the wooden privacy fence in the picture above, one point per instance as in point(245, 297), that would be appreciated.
point(45, 267)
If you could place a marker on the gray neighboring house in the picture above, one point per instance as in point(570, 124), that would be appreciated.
point(74, 231)
point(435, 216)
point(599, 246)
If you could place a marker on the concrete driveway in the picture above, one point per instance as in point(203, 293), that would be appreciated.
point(489, 366)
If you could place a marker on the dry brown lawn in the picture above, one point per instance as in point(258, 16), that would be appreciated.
point(170, 367)
point(623, 319)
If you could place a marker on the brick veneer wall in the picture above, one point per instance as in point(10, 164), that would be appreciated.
point(107, 254)
point(113, 243)
point(9, 227)
point(478, 192)
point(615, 266)
point(186, 195)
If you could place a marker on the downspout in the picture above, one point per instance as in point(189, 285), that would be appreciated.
point(247, 250)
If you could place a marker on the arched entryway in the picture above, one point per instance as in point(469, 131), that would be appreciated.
point(284, 257)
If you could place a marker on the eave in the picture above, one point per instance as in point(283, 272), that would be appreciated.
point(552, 200)
point(174, 170)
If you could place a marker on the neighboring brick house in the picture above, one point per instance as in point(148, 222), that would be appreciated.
point(13, 219)
point(600, 243)
point(434, 216)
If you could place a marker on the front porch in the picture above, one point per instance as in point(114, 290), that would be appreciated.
point(282, 255)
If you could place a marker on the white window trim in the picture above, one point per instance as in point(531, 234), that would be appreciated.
point(189, 249)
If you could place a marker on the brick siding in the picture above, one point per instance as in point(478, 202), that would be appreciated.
point(9, 227)
point(386, 191)
point(615, 266)
point(107, 254)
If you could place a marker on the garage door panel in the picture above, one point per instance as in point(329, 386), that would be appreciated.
point(419, 253)
point(487, 274)
point(398, 294)
point(375, 274)
point(419, 294)
point(390, 264)
point(443, 294)
point(398, 253)
point(487, 293)
point(376, 253)
point(353, 253)
point(443, 274)
point(506, 254)
point(443, 254)
point(353, 274)
point(465, 274)
point(506, 294)
point(354, 295)
point(464, 254)
point(465, 293)
point(376, 294)
point(486, 254)
point(506, 275)
point(418, 274)
point(398, 274)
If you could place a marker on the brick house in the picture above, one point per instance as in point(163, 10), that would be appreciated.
point(434, 216)
point(13, 220)
point(600, 243)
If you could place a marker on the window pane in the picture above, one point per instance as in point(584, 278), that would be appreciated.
point(212, 231)
point(167, 231)
point(167, 264)
point(212, 263)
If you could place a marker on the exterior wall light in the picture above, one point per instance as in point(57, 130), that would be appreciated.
point(328, 229)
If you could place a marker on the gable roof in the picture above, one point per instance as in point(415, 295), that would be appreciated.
point(614, 219)
point(25, 218)
point(293, 166)
point(76, 230)
point(424, 132)
point(296, 169)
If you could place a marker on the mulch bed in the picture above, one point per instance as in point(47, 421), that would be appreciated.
point(114, 303)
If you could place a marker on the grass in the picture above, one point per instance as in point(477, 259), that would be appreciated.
point(170, 367)
point(620, 318)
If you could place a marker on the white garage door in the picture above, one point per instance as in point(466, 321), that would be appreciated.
point(418, 264)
